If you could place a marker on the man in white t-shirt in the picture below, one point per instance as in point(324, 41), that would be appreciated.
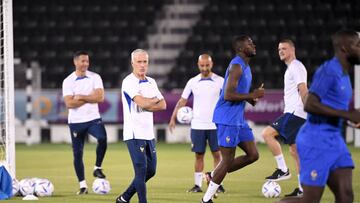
point(82, 91)
point(287, 125)
point(206, 88)
point(140, 98)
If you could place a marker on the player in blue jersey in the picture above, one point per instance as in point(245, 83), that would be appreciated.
point(233, 130)
point(324, 157)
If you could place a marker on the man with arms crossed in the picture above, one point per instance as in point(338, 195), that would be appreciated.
point(82, 91)
point(140, 98)
point(288, 124)
point(206, 88)
point(323, 154)
point(232, 128)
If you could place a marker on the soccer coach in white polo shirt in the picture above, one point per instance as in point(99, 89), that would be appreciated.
point(82, 91)
point(140, 98)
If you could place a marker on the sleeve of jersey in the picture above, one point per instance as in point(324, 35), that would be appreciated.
point(321, 83)
point(98, 83)
point(300, 74)
point(187, 90)
point(129, 89)
point(66, 89)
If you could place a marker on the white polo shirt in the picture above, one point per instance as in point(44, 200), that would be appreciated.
point(206, 92)
point(138, 123)
point(294, 75)
point(73, 85)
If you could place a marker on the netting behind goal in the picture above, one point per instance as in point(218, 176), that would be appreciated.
point(7, 128)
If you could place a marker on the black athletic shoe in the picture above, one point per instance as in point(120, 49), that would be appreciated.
point(82, 191)
point(221, 189)
point(210, 201)
point(119, 200)
point(98, 173)
point(194, 189)
point(279, 175)
point(296, 193)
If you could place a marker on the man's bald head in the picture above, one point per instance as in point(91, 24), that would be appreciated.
point(205, 65)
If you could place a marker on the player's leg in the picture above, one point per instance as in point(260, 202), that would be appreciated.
point(98, 131)
point(78, 134)
point(246, 142)
point(138, 157)
point(198, 146)
point(211, 136)
point(220, 172)
point(299, 190)
point(340, 183)
point(227, 141)
point(312, 194)
point(251, 155)
point(269, 134)
point(151, 159)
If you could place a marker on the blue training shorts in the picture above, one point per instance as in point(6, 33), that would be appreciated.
point(317, 162)
point(199, 138)
point(231, 136)
point(288, 125)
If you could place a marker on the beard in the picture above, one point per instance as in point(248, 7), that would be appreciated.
point(353, 60)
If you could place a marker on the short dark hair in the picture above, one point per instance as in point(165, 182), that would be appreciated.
point(237, 41)
point(339, 36)
point(289, 41)
point(79, 53)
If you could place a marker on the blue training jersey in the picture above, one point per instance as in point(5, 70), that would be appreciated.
point(232, 113)
point(333, 87)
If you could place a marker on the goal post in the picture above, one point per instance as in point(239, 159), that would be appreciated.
point(7, 88)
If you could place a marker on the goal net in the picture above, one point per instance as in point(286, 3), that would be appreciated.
point(7, 140)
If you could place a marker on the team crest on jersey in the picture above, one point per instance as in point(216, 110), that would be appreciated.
point(314, 175)
point(227, 139)
point(142, 148)
point(75, 134)
point(276, 123)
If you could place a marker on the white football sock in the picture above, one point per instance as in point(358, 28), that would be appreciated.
point(83, 184)
point(97, 167)
point(300, 188)
point(212, 188)
point(281, 162)
point(198, 178)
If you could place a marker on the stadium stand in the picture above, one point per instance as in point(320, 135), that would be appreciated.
point(308, 23)
point(49, 31)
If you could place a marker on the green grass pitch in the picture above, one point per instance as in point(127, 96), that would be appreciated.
point(174, 174)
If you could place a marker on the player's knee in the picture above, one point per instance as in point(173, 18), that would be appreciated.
point(77, 153)
point(348, 195)
point(150, 172)
point(102, 139)
point(266, 135)
point(253, 157)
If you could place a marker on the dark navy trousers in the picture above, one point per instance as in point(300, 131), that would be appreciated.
point(143, 157)
point(78, 133)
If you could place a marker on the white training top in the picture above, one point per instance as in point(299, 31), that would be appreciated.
point(294, 75)
point(206, 93)
point(73, 85)
point(138, 123)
